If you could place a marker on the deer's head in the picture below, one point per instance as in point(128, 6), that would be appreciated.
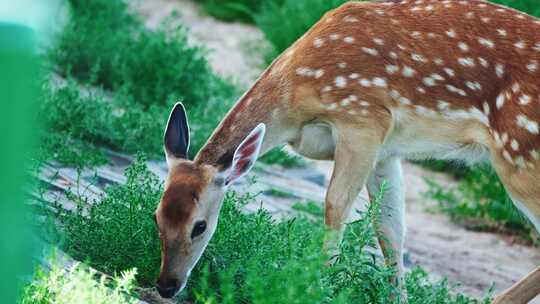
point(188, 212)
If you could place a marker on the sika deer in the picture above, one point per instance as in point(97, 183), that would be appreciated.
point(368, 85)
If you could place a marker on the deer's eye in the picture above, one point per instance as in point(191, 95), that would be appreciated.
point(198, 229)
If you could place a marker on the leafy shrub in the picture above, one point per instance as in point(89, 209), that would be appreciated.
point(250, 259)
point(144, 73)
point(284, 23)
point(117, 233)
point(73, 117)
point(234, 10)
point(279, 157)
point(78, 285)
point(105, 44)
point(480, 202)
point(529, 6)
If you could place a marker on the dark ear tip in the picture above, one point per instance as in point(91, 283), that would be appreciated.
point(179, 106)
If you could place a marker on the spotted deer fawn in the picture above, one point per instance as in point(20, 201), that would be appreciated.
point(372, 83)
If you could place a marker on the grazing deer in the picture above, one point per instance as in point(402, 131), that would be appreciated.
point(372, 83)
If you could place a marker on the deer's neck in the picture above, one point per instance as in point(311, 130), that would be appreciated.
point(260, 104)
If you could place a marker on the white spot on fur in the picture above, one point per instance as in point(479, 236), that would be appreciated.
point(451, 33)
point(363, 103)
point(438, 61)
point(449, 72)
point(334, 37)
point(443, 105)
point(532, 66)
point(392, 69)
point(430, 82)
point(408, 71)
point(380, 82)
point(499, 69)
point(419, 58)
point(486, 42)
point(354, 76)
point(524, 99)
point(365, 82)
point(500, 101)
point(318, 42)
point(507, 156)
point(467, 62)
point(514, 144)
point(475, 86)
point(463, 46)
point(483, 62)
point(456, 90)
point(378, 41)
point(486, 108)
point(520, 44)
point(340, 82)
point(348, 39)
point(529, 125)
point(515, 87)
point(370, 51)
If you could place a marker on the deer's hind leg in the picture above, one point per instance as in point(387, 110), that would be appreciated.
point(522, 184)
point(390, 226)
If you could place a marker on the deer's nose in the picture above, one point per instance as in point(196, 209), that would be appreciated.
point(168, 289)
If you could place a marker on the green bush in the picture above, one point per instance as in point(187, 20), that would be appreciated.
point(104, 44)
point(283, 24)
point(143, 73)
point(76, 122)
point(78, 285)
point(117, 233)
point(234, 10)
point(529, 6)
point(250, 259)
point(480, 202)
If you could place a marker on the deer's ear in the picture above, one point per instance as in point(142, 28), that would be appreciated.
point(245, 155)
point(176, 139)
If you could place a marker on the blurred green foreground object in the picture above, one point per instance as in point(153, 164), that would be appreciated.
point(19, 89)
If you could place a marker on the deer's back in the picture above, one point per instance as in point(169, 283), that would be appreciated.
point(453, 60)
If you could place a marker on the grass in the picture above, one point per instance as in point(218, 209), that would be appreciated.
point(121, 222)
point(78, 285)
point(139, 74)
point(106, 45)
point(480, 202)
point(250, 259)
point(122, 79)
point(279, 26)
point(529, 6)
point(234, 10)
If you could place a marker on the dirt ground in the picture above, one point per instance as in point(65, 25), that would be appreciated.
point(477, 260)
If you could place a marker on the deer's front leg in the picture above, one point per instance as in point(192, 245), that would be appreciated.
point(354, 157)
point(390, 226)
